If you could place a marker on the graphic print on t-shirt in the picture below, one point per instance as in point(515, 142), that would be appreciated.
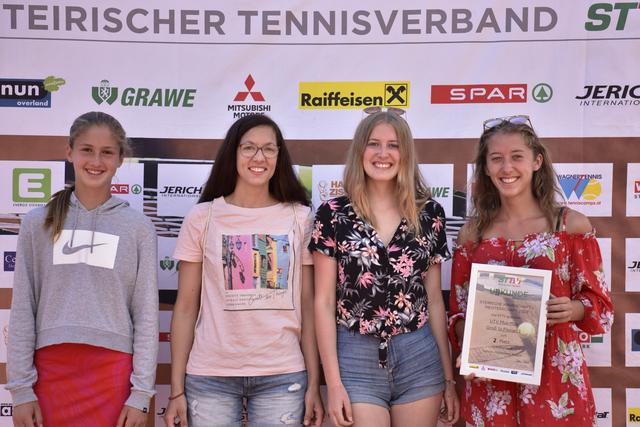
point(255, 269)
point(86, 247)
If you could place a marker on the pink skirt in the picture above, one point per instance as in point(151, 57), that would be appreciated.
point(81, 385)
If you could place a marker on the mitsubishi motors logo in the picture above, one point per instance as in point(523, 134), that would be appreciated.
point(244, 103)
point(249, 83)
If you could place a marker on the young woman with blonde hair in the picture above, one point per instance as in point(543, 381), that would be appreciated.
point(380, 317)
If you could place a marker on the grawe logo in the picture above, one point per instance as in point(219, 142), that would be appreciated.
point(143, 97)
point(31, 185)
point(29, 93)
point(440, 191)
point(352, 95)
point(602, 15)
point(169, 264)
point(582, 186)
point(242, 106)
point(9, 260)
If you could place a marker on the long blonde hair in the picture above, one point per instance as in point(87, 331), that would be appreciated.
point(411, 191)
point(58, 206)
point(485, 196)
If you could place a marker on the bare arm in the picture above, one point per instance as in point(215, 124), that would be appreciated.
point(314, 411)
point(438, 323)
point(326, 274)
point(185, 314)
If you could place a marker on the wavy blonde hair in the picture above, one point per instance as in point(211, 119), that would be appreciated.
point(411, 191)
point(486, 198)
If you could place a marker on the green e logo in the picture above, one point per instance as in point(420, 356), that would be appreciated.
point(31, 185)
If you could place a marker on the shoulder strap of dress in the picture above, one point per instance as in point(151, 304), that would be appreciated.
point(562, 219)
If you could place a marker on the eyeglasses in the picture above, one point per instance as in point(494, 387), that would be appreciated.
point(516, 120)
point(269, 151)
point(394, 110)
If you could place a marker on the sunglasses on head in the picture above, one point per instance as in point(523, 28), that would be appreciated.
point(516, 120)
point(394, 110)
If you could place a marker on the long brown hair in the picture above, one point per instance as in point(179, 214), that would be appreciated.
point(58, 206)
point(485, 196)
point(411, 190)
point(284, 185)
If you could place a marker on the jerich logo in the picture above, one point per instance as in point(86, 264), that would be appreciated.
point(242, 95)
point(104, 93)
point(31, 185)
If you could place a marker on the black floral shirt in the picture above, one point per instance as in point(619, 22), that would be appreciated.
point(380, 289)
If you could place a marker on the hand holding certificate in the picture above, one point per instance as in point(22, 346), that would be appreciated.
point(506, 323)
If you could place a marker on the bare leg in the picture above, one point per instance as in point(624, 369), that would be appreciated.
point(369, 415)
point(421, 413)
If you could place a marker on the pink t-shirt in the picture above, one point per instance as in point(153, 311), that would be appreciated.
point(249, 320)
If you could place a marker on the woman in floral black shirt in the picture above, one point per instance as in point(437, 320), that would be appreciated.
point(377, 256)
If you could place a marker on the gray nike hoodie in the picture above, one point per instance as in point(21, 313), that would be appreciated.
point(96, 285)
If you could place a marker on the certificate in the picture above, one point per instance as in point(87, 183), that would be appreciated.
point(505, 323)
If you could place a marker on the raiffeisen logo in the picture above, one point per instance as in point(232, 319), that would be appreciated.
point(249, 100)
point(633, 415)
point(143, 97)
point(28, 93)
point(602, 16)
point(616, 95)
point(581, 189)
point(352, 95)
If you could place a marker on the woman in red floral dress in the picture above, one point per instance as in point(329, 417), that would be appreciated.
point(517, 222)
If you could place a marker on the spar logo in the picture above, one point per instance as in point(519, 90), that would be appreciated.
point(352, 95)
point(248, 100)
point(105, 93)
point(125, 189)
point(31, 186)
point(489, 93)
point(586, 188)
point(601, 16)
point(28, 93)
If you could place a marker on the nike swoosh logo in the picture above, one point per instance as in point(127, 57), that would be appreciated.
point(68, 250)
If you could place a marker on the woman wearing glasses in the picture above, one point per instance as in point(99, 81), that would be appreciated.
point(242, 325)
point(377, 255)
point(517, 222)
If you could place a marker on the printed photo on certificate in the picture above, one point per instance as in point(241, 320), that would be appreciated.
point(505, 323)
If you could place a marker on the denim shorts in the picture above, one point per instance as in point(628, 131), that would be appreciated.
point(272, 400)
point(413, 372)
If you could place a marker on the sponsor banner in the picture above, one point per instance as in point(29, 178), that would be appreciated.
point(633, 407)
point(179, 187)
point(632, 265)
point(596, 348)
point(128, 184)
point(327, 183)
point(8, 252)
point(164, 338)
point(6, 407)
point(633, 189)
point(107, 93)
point(4, 339)
point(27, 185)
point(632, 339)
point(352, 95)
point(602, 396)
point(249, 99)
point(586, 187)
point(439, 177)
point(28, 93)
point(161, 401)
point(167, 266)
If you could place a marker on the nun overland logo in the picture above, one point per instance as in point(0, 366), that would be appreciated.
point(29, 93)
